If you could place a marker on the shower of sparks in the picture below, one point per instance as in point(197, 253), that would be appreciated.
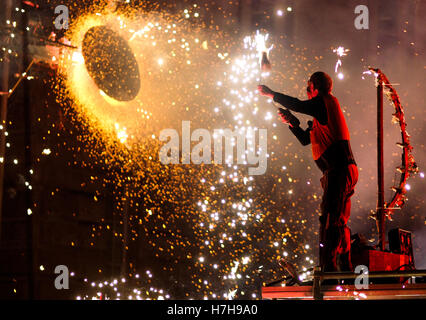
point(121, 289)
point(121, 133)
point(370, 72)
point(340, 52)
point(259, 42)
point(223, 230)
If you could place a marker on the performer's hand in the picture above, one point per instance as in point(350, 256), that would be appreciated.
point(288, 118)
point(265, 91)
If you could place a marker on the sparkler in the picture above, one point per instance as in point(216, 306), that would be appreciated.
point(340, 52)
point(263, 51)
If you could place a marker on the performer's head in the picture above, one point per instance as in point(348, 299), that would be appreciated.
point(319, 83)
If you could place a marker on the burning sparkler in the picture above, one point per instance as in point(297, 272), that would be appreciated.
point(263, 51)
point(340, 52)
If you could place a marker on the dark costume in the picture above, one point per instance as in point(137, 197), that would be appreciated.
point(331, 150)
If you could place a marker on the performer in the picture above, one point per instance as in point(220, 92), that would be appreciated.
point(331, 150)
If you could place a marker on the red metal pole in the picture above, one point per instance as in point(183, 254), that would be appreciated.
point(380, 169)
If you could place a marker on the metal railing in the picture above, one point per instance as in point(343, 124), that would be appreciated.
point(320, 276)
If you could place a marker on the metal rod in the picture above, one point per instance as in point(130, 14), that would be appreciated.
point(40, 38)
point(23, 75)
point(316, 287)
point(3, 112)
point(380, 168)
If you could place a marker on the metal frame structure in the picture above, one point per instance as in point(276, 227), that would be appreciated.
point(350, 292)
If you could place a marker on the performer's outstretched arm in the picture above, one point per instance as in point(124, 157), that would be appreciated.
point(294, 124)
point(304, 136)
point(314, 107)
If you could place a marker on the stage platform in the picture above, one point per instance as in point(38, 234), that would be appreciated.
point(348, 292)
point(382, 285)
